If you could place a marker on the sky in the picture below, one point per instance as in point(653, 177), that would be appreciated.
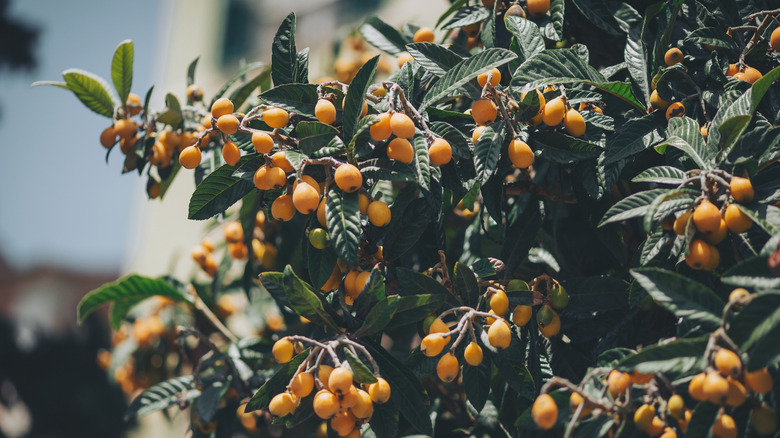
point(61, 203)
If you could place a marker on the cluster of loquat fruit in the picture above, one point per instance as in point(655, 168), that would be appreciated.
point(725, 383)
point(337, 399)
point(712, 223)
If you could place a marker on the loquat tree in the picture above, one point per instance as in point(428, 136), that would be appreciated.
point(566, 211)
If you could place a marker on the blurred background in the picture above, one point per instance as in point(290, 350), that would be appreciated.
point(69, 222)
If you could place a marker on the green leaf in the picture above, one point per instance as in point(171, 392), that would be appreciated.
point(305, 301)
point(384, 422)
point(755, 329)
point(433, 58)
point(343, 218)
point(634, 136)
point(408, 394)
point(635, 205)
point(191, 71)
point(242, 93)
point(454, 7)
point(131, 288)
point(702, 419)
point(752, 273)
point(562, 148)
point(466, 284)
point(172, 116)
point(379, 316)
point(487, 151)
point(711, 36)
point(414, 308)
point(393, 171)
point(661, 175)
point(220, 190)
point(313, 136)
point(551, 24)
point(320, 263)
point(687, 129)
point(468, 15)
point(682, 296)
point(162, 395)
point(566, 66)
point(356, 95)
point(284, 56)
point(685, 195)
point(276, 384)
point(678, 357)
point(611, 16)
point(239, 76)
point(383, 36)
point(767, 217)
point(297, 98)
point(731, 121)
point(483, 268)
point(527, 35)
point(413, 283)
point(678, 143)
point(476, 384)
point(52, 83)
point(465, 71)
point(91, 90)
point(636, 56)
point(122, 69)
point(596, 294)
point(360, 372)
point(407, 228)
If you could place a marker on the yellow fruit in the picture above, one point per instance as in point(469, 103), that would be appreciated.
point(521, 315)
point(363, 407)
point(484, 111)
point(676, 406)
point(495, 77)
point(282, 350)
point(438, 326)
point(379, 391)
point(447, 368)
point(737, 393)
point(618, 382)
point(473, 354)
point(751, 75)
point(381, 130)
point(281, 405)
point(737, 221)
point(433, 344)
point(520, 153)
point(742, 190)
point(228, 124)
point(302, 384)
point(763, 417)
point(643, 416)
point(279, 159)
point(715, 387)
point(325, 404)
point(656, 427)
point(696, 387)
point(537, 8)
point(340, 380)
point(738, 294)
point(424, 35)
point(515, 11)
point(403, 58)
point(575, 400)
point(499, 302)
point(343, 423)
point(706, 217)
point(544, 411)
point(759, 381)
point(323, 374)
point(681, 222)
point(260, 179)
point(553, 112)
point(283, 208)
point(333, 281)
point(134, 104)
point(125, 128)
point(500, 335)
point(348, 178)
point(108, 137)
point(325, 111)
point(379, 213)
point(262, 142)
point(275, 177)
point(440, 152)
point(350, 398)
point(704, 131)
point(305, 198)
point(699, 254)
point(718, 236)
point(724, 427)
point(551, 329)
point(231, 153)
point(641, 379)
point(276, 117)
point(402, 125)
point(126, 144)
point(477, 132)
point(321, 218)
point(714, 260)
point(189, 158)
point(673, 56)
point(676, 109)
point(728, 363)
point(400, 149)
point(310, 181)
point(574, 123)
point(234, 232)
point(657, 102)
point(221, 107)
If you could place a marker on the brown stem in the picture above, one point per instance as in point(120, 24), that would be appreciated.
point(204, 309)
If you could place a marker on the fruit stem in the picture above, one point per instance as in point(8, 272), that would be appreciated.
point(510, 122)
point(768, 17)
